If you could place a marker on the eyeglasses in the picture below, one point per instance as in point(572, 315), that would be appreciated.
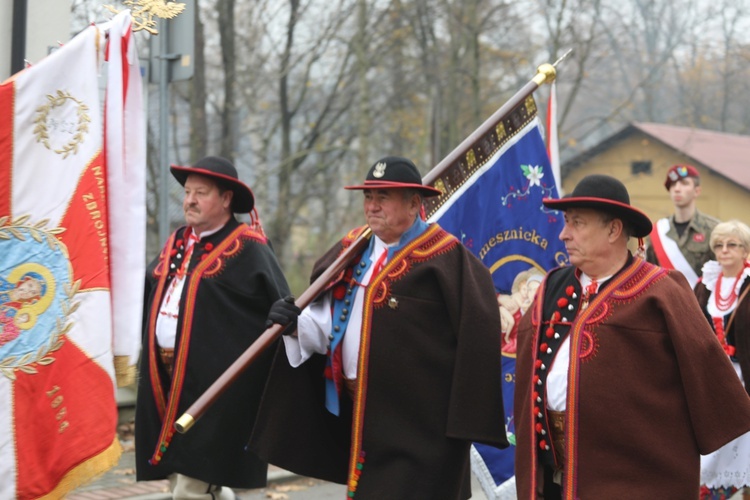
point(730, 245)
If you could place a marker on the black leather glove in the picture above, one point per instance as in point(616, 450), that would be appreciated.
point(284, 312)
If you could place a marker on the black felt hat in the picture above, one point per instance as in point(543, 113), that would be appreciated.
point(222, 170)
point(607, 194)
point(393, 172)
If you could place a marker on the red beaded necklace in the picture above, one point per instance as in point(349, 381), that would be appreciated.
point(722, 304)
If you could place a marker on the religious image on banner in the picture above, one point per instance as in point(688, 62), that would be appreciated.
point(58, 347)
point(495, 209)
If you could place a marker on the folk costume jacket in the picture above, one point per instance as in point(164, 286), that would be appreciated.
point(647, 387)
point(233, 278)
point(428, 381)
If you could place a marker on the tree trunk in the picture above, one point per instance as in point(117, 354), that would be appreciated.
point(228, 59)
point(198, 122)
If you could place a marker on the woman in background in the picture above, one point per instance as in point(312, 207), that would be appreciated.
point(722, 294)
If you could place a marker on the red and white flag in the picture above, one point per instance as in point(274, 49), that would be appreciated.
point(60, 270)
point(553, 146)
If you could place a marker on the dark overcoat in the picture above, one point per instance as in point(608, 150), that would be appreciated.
point(429, 382)
point(233, 279)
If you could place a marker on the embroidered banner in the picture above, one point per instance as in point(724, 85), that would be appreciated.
point(57, 377)
point(495, 209)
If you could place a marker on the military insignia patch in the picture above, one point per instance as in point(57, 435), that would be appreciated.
point(379, 170)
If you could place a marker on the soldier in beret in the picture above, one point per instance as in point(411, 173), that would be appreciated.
point(208, 294)
point(620, 383)
point(681, 241)
point(395, 369)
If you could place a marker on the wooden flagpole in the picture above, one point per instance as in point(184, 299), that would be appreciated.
point(545, 74)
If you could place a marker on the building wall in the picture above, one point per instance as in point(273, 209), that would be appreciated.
point(47, 23)
point(6, 24)
point(719, 197)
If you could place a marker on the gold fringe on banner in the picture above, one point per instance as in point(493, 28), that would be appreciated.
point(86, 471)
point(124, 371)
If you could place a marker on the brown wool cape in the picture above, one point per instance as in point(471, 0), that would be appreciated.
point(647, 393)
point(233, 279)
point(431, 382)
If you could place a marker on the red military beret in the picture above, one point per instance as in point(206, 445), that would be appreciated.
point(677, 172)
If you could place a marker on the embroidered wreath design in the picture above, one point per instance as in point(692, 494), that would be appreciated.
point(19, 229)
point(42, 115)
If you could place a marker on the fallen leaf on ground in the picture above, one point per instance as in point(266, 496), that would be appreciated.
point(277, 496)
point(290, 487)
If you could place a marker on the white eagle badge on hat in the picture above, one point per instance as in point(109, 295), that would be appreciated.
point(673, 176)
point(379, 170)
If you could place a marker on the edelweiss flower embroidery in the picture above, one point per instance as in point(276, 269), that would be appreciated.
point(533, 174)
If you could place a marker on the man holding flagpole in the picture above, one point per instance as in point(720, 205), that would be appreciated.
point(395, 369)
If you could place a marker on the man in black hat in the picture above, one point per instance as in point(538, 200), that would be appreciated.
point(620, 383)
point(397, 365)
point(207, 297)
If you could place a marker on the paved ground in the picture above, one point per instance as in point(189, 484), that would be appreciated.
point(119, 482)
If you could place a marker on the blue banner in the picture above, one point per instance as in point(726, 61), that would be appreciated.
point(498, 214)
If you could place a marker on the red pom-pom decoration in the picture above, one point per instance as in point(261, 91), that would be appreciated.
point(339, 292)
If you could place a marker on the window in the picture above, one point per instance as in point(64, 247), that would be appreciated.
point(640, 167)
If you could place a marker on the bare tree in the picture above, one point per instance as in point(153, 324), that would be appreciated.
point(228, 58)
point(198, 120)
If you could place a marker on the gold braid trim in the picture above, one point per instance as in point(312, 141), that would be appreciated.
point(86, 471)
point(124, 371)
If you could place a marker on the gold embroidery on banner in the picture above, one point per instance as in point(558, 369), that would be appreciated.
point(440, 185)
point(143, 12)
point(471, 159)
point(530, 105)
point(500, 131)
point(55, 404)
point(468, 163)
point(51, 117)
point(97, 221)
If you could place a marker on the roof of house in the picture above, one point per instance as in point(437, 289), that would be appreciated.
point(726, 154)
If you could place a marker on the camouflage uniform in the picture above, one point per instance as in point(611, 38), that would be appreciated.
point(696, 253)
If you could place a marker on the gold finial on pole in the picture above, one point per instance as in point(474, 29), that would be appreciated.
point(144, 12)
point(546, 72)
point(184, 423)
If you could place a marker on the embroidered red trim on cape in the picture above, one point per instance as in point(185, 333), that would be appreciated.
point(624, 287)
point(209, 266)
point(432, 242)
